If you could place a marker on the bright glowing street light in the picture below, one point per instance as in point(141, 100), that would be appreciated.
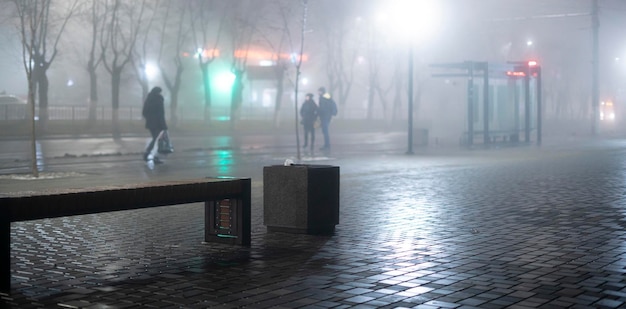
point(223, 81)
point(151, 70)
point(412, 21)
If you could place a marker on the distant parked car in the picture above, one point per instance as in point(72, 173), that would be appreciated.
point(12, 108)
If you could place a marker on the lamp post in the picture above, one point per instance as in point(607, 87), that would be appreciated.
point(413, 20)
point(410, 94)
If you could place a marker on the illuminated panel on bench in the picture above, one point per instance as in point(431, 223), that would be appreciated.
point(223, 220)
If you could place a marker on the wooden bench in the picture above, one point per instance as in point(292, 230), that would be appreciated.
point(227, 208)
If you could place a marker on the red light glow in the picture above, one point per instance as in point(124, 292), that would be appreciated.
point(263, 55)
point(515, 73)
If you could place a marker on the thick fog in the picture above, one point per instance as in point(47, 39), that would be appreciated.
point(358, 50)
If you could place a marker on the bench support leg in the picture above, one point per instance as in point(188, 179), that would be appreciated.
point(246, 213)
point(5, 251)
point(229, 220)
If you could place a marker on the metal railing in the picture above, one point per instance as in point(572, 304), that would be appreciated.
point(133, 113)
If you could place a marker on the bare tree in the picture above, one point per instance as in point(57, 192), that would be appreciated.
point(398, 78)
point(281, 64)
point(35, 30)
point(118, 39)
point(378, 54)
point(341, 57)
point(305, 8)
point(202, 12)
point(280, 69)
point(243, 23)
point(139, 59)
point(30, 19)
point(373, 53)
point(42, 34)
point(95, 56)
point(175, 54)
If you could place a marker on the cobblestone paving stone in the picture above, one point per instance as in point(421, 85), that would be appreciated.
point(517, 229)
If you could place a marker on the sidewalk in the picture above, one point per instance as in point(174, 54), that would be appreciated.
point(524, 227)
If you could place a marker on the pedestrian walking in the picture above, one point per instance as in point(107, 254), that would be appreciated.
point(154, 113)
point(326, 110)
point(308, 112)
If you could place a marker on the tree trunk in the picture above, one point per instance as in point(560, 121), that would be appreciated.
point(280, 89)
point(339, 97)
point(370, 98)
point(115, 99)
point(236, 99)
point(175, 90)
point(173, 109)
point(397, 101)
point(383, 102)
point(43, 98)
point(145, 89)
point(33, 129)
point(93, 95)
point(115, 120)
point(206, 79)
point(143, 82)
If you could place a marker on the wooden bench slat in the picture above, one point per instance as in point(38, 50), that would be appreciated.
point(51, 204)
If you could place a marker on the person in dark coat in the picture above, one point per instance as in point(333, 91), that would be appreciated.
point(154, 113)
point(308, 112)
point(326, 110)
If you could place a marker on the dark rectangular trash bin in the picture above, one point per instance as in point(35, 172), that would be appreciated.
point(301, 199)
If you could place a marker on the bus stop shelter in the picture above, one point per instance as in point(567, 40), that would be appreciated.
point(503, 108)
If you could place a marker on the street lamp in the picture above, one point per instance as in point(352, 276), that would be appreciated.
point(151, 70)
point(413, 21)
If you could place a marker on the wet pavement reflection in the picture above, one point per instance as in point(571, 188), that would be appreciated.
point(527, 227)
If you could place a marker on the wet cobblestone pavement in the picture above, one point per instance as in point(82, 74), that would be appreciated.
point(521, 228)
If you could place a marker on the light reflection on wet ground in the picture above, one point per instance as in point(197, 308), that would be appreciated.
point(526, 227)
